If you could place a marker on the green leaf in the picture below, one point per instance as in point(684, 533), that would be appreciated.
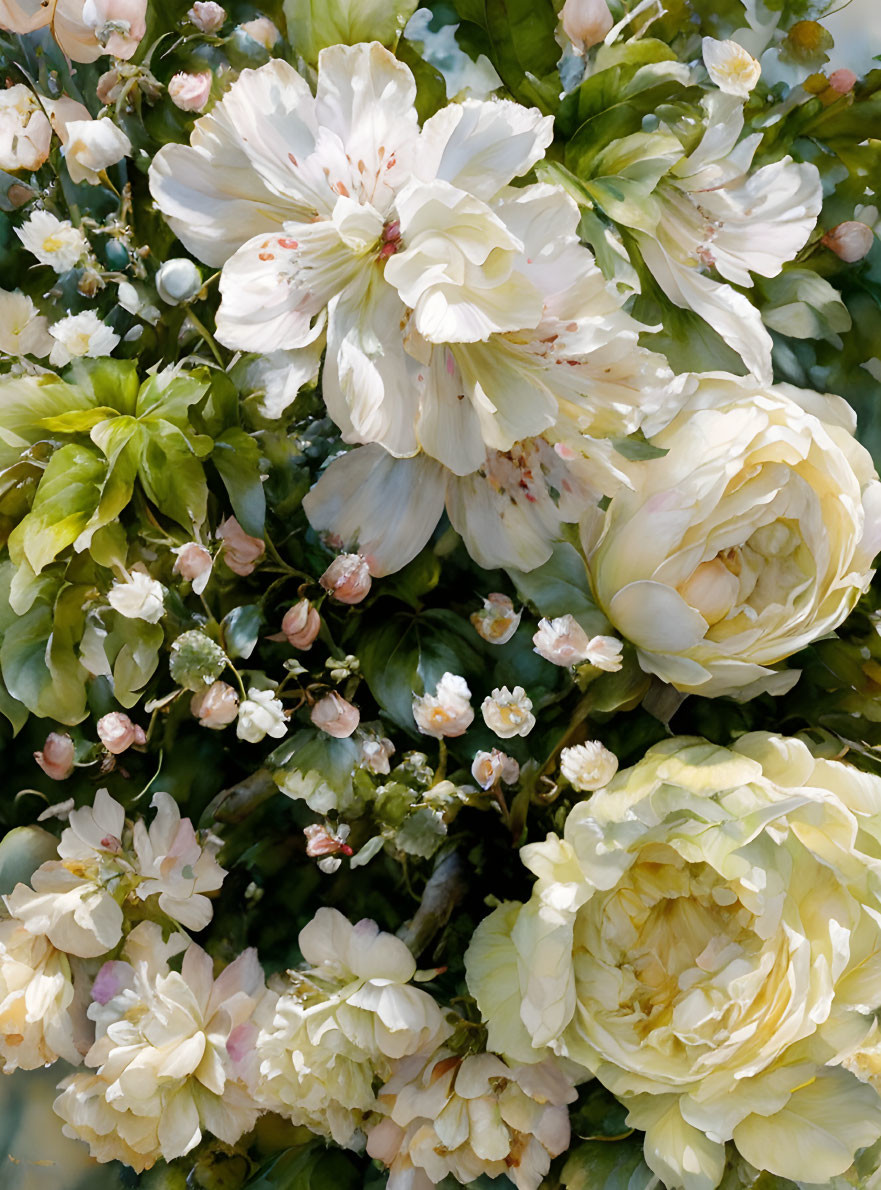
point(132, 651)
point(520, 43)
point(22, 851)
point(78, 421)
point(607, 1165)
point(415, 580)
point(105, 381)
point(407, 655)
point(240, 629)
point(315, 24)
point(803, 305)
point(37, 658)
point(560, 587)
point(625, 202)
point(168, 396)
point(172, 476)
point(318, 768)
point(66, 499)
point(237, 459)
point(431, 90)
point(312, 1168)
point(24, 402)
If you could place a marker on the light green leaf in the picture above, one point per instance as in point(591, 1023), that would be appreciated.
point(625, 202)
point(132, 651)
point(105, 381)
point(66, 499)
point(22, 851)
point(643, 157)
point(77, 421)
point(37, 659)
point(172, 476)
point(315, 24)
point(237, 459)
point(24, 402)
point(168, 396)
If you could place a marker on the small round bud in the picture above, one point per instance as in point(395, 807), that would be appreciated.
point(190, 92)
point(207, 16)
point(117, 732)
point(347, 578)
point(301, 624)
point(586, 22)
point(178, 280)
point(215, 707)
point(850, 241)
point(842, 80)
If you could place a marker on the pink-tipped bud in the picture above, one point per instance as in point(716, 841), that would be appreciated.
point(585, 22)
point(850, 241)
point(323, 840)
point(335, 716)
point(215, 707)
point(190, 92)
point(207, 16)
point(301, 625)
point(193, 562)
point(56, 759)
point(117, 732)
point(347, 578)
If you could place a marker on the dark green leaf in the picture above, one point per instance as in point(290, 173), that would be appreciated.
point(237, 459)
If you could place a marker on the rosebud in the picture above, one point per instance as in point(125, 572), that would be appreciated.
point(347, 578)
point(489, 767)
point(325, 840)
point(178, 280)
point(215, 707)
point(196, 660)
point(262, 30)
point(564, 642)
point(586, 22)
point(207, 16)
point(588, 766)
point(335, 716)
point(56, 759)
point(190, 92)
point(117, 732)
point(447, 712)
point(301, 624)
point(508, 712)
point(193, 562)
point(240, 551)
point(850, 241)
point(842, 80)
point(498, 621)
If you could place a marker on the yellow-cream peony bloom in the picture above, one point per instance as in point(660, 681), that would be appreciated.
point(753, 536)
point(705, 939)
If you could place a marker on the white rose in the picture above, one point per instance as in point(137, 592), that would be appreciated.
point(751, 537)
point(92, 146)
point(705, 939)
point(138, 597)
point(261, 714)
point(448, 711)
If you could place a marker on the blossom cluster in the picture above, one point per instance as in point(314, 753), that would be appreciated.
point(442, 439)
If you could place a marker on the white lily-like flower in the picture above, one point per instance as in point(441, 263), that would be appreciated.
point(730, 66)
point(716, 214)
point(55, 242)
point(80, 335)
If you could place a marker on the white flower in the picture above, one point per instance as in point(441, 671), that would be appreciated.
point(40, 1019)
point(91, 147)
point(706, 940)
point(447, 712)
point(261, 714)
point(715, 214)
point(83, 30)
point(489, 767)
point(471, 1117)
point(25, 131)
point(138, 597)
point(508, 712)
point(498, 621)
point(376, 752)
point(730, 553)
point(178, 280)
point(564, 642)
point(730, 67)
point(588, 766)
point(53, 241)
point(339, 1023)
point(174, 1050)
point(80, 335)
point(23, 331)
point(216, 707)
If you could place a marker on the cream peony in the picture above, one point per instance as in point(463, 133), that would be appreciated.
point(470, 1116)
point(706, 940)
point(751, 537)
point(174, 1053)
point(338, 1023)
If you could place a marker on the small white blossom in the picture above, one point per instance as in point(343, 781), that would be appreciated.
point(489, 767)
point(448, 711)
point(261, 714)
point(730, 67)
point(562, 641)
point(23, 330)
point(376, 752)
point(588, 766)
point(81, 335)
point(508, 712)
point(498, 621)
point(55, 242)
point(91, 147)
point(138, 597)
point(25, 131)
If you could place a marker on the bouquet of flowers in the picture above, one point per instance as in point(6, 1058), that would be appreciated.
point(440, 664)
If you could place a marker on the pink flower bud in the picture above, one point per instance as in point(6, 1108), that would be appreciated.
point(335, 716)
point(241, 552)
point(322, 840)
point(193, 562)
point(207, 16)
point(842, 80)
point(190, 92)
point(347, 578)
point(215, 706)
point(262, 30)
point(850, 241)
point(117, 732)
point(586, 22)
point(489, 767)
point(56, 759)
point(301, 624)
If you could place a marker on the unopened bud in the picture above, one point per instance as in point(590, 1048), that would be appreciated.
point(178, 280)
point(193, 562)
point(301, 625)
point(850, 241)
point(347, 578)
point(335, 716)
point(190, 93)
point(586, 22)
point(207, 16)
point(117, 732)
point(215, 707)
point(56, 759)
point(588, 766)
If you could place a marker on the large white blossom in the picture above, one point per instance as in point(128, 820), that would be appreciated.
point(339, 1023)
point(77, 900)
point(716, 214)
point(84, 29)
point(752, 536)
point(470, 1117)
point(705, 939)
point(23, 330)
point(173, 1053)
